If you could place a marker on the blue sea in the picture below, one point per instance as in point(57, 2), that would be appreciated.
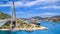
point(54, 28)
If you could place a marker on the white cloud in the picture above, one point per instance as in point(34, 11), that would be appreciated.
point(37, 2)
point(7, 4)
point(49, 13)
point(19, 12)
point(45, 14)
point(49, 7)
point(4, 5)
point(28, 4)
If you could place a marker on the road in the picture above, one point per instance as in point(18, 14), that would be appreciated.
point(2, 22)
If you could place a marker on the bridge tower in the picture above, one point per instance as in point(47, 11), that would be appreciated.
point(13, 18)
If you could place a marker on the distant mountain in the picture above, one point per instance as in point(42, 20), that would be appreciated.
point(55, 17)
point(37, 17)
point(3, 15)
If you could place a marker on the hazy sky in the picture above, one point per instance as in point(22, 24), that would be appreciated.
point(30, 8)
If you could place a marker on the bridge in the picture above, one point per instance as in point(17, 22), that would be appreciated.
point(2, 22)
point(5, 20)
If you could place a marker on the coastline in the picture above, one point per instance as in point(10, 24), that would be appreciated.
point(35, 28)
point(4, 29)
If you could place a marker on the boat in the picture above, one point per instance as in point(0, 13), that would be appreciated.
point(29, 30)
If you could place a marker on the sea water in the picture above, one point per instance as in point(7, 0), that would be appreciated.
point(53, 28)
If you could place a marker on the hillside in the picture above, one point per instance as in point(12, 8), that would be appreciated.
point(4, 16)
point(7, 24)
point(53, 18)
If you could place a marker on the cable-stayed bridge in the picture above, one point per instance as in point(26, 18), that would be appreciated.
point(2, 22)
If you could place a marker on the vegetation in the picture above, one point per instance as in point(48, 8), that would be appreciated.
point(4, 16)
point(54, 20)
point(37, 26)
point(20, 23)
point(57, 18)
point(23, 24)
point(6, 25)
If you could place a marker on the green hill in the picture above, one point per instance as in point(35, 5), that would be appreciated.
point(7, 24)
point(20, 23)
point(4, 15)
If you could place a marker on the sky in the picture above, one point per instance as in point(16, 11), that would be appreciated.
point(31, 8)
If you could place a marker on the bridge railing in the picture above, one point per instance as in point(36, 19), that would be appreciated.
point(5, 20)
